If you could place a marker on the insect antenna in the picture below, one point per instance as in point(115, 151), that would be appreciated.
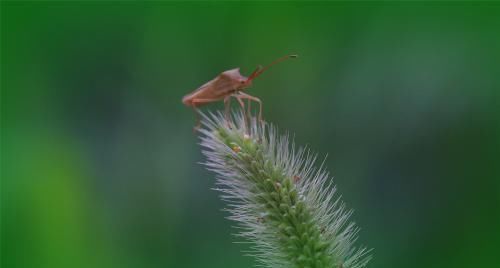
point(261, 69)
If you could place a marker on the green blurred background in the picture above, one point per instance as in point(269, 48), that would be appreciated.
point(99, 163)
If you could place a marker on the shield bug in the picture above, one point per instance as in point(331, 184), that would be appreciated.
point(226, 85)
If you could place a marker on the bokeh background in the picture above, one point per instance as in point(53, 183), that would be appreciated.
point(99, 165)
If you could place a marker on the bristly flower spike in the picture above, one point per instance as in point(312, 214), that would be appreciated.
point(282, 204)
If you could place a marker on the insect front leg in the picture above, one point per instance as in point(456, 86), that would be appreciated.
point(242, 104)
point(249, 97)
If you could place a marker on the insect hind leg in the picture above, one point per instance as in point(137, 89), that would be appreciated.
point(227, 108)
point(195, 103)
point(198, 119)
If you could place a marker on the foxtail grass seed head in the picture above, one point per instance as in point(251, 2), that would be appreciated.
point(280, 201)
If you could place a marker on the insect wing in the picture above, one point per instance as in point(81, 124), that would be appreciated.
point(224, 85)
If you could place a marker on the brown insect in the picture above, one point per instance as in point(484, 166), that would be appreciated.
point(226, 85)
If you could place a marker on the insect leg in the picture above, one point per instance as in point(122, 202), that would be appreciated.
point(195, 104)
point(249, 108)
point(249, 97)
point(198, 119)
point(227, 106)
point(198, 102)
point(242, 104)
